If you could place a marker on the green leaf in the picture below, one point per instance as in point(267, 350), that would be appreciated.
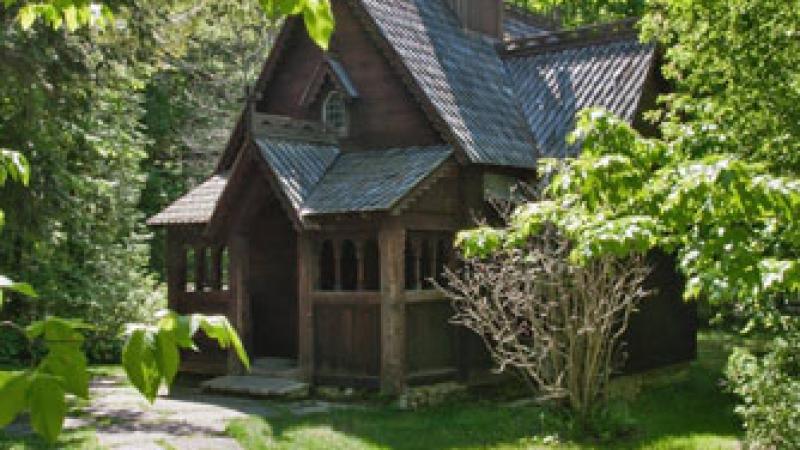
point(22, 288)
point(185, 329)
point(68, 362)
point(139, 362)
point(13, 392)
point(47, 405)
point(319, 21)
point(167, 356)
point(71, 18)
point(220, 329)
point(26, 16)
point(58, 330)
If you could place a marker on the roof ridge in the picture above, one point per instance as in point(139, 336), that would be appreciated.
point(557, 40)
point(530, 17)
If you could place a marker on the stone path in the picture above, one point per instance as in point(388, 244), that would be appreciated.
point(186, 419)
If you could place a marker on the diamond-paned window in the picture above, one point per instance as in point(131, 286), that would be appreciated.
point(334, 113)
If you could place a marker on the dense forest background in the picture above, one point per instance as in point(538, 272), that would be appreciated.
point(116, 123)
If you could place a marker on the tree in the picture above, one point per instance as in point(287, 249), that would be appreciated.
point(557, 323)
point(733, 225)
point(571, 13)
point(151, 354)
point(733, 65)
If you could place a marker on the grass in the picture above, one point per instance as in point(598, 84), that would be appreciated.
point(690, 414)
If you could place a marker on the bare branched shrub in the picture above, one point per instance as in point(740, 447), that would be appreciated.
point(559, 324)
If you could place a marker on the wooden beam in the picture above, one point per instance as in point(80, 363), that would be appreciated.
point(307, 261)
point(391, 240)
point(176, 268)
point(200, 282)
point(239, 309)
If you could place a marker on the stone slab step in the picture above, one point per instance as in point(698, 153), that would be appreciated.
point(256, 386)
point(275, 368)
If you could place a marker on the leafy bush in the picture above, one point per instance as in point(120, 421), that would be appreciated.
point(769, 387)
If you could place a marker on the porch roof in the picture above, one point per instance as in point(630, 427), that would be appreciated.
point(195, 207)
point(373, 180)
point(319, 179)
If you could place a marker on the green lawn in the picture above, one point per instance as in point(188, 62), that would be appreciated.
point(689, 414)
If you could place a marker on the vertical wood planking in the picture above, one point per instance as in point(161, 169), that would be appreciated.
point(392, 238)
point(306, 276)
point(240, 304)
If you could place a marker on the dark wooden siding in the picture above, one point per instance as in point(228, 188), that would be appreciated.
point(346, 342)
point(385, 115)
point(431, 339)
point(664, 330)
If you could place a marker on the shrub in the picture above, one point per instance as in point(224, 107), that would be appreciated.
point(769, 387)
point(557, 323)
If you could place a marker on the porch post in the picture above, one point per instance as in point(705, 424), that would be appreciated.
point(306, 269)
point(239, 311)
point(176, 269)
point(391, 239)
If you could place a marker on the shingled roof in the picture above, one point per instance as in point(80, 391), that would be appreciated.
point(557, 77)
point(196, 207)
point(503, 103)
point(462, 76)
point(374, 180)
point(298, 166)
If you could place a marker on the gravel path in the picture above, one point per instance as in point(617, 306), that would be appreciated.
point(187, 419)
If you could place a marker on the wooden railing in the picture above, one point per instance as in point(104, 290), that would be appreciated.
point(209, 302)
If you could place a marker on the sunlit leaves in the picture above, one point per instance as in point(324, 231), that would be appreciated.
point(47, 405)
point(151, 355)
point(14, 392)
point(139, 361)
point(316, 14)
point(733, 224)
point(13, 165)
point(70, 14)
point(41, 390)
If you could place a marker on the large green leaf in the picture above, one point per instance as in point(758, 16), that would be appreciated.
point(318, 19)
point(13, 395)
point(139, 362)
point(68, 362)
point(220, 329)
point(167, 356)
point(47, 405)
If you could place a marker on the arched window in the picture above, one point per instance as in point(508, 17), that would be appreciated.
point(442, 256)
point(327, 267)
point(349, 265)
point(334, 113)
point(411, 266)
point(426, 269)
point(372, 266)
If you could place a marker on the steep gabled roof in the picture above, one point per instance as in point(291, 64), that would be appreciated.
point(195, 207)
point(555, 80)
point(500, 103)
point(461, 76)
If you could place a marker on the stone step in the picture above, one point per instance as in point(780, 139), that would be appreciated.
point(275, 368)
point(257, 386)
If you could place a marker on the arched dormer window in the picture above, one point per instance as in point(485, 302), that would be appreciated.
point(334, 113)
